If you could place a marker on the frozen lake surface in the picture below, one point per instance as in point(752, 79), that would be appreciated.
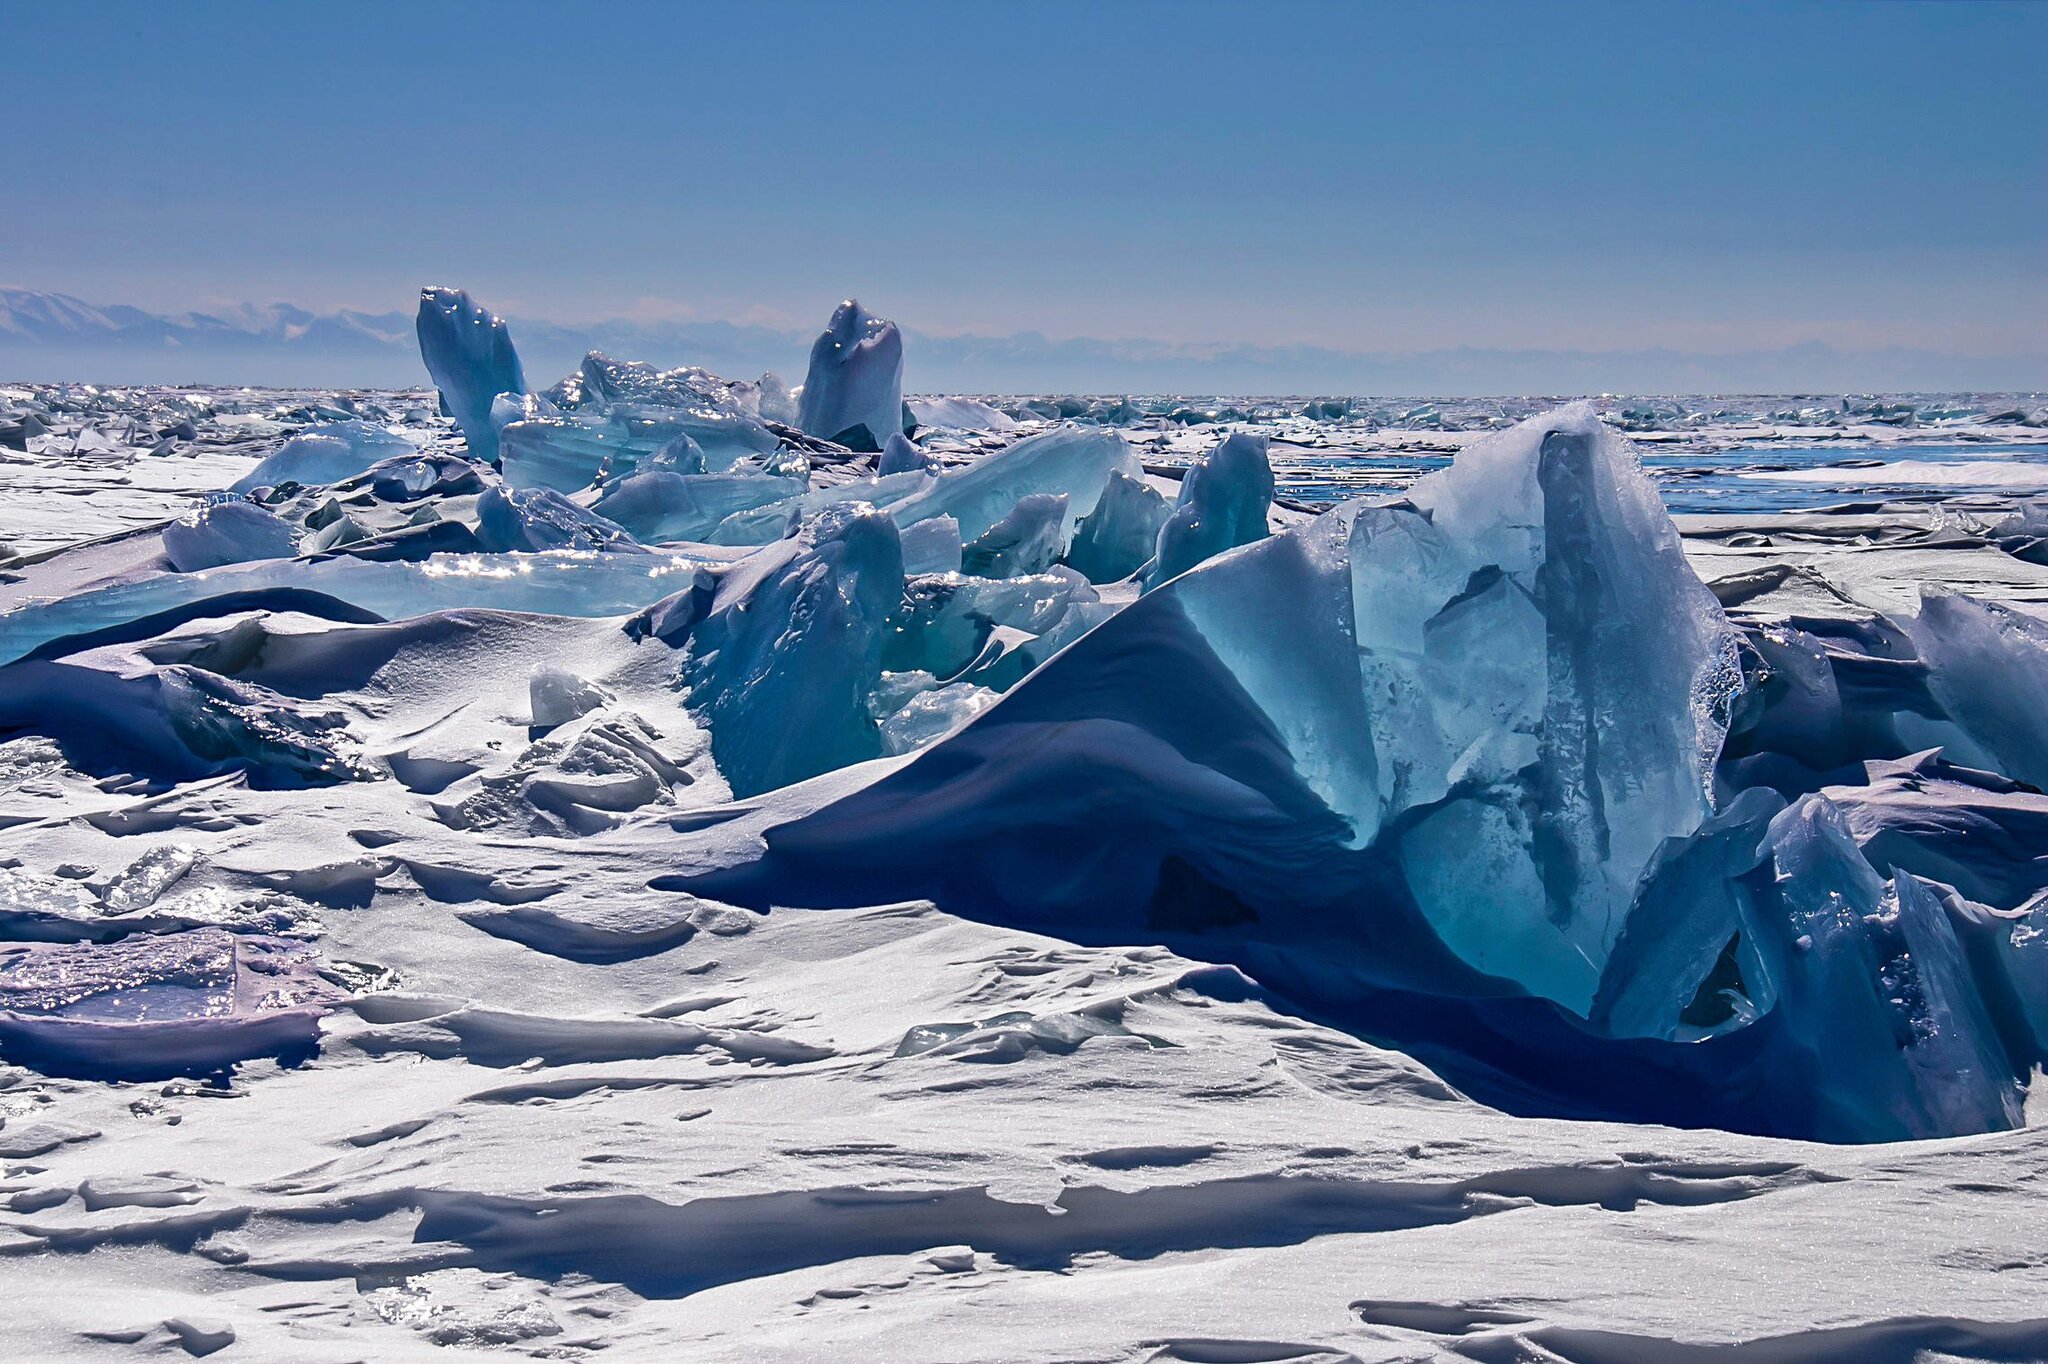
point(694, 886)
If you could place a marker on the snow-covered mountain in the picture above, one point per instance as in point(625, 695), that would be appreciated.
point(56, 337)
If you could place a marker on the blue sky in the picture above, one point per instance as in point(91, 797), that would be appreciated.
point(1704, 177)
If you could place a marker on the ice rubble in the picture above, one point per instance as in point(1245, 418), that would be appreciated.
point(853, 393)
point(1482, 771)
point(1461, 799)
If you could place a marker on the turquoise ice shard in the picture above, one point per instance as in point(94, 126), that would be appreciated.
point(227, 533)
point(1223, 504)
point(853, 393)
point(899, 456)
point(1074, 460)
point(1118, 537)
point(782, 667)
point(659, 506)
point(1029, 540)
point(537, 519)
point(468, 352)
point(1988, 666)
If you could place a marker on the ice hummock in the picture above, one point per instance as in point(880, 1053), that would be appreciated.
point(468, 351)
point(785, 661)
point(1223, 504)
point(853, 393)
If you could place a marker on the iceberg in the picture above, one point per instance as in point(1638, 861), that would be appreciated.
point(853, 394)
point(227, 533)
point(468, 352)
point(1224, 502)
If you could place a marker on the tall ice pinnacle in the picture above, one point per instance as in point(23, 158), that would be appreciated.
point(468, 351)
point(854, 391)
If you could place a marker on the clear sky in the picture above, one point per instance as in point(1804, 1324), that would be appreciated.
point(1710, 176)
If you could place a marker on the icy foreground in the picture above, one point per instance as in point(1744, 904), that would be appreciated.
point(686, 887)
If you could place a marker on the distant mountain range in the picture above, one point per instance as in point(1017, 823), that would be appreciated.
point(48, 336)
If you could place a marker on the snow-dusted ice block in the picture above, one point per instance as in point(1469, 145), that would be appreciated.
point(853, 393)
point(782, 667)
point(227, 533)
point(323, 454)
point(1224, 501)
point(151, 1006)
point(1074, 460)
point(468, 352)
point(659, 506)
point(535, 519)
point(1119, 536)
point(959, 414)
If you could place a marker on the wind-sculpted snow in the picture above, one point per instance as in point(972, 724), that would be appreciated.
point(692, 889)
point(468, 352)
point(853, 393)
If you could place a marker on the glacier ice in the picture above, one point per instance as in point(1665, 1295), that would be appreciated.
point(1224, 501)
point(468, 352)
point(853, 393)
point(227, 533)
